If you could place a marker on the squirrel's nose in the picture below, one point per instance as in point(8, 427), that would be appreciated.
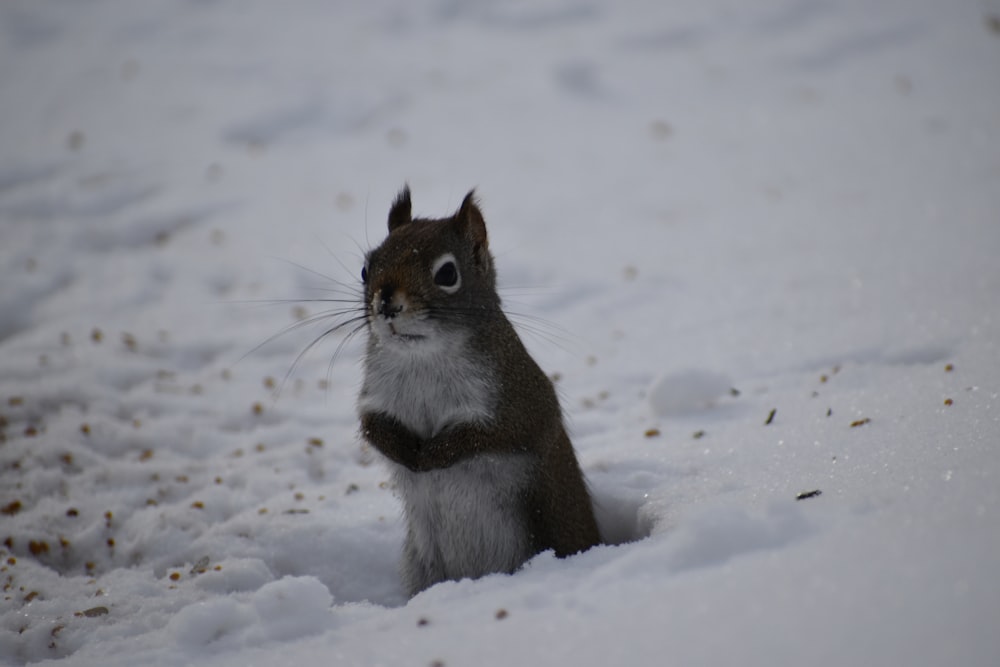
point(387, 307)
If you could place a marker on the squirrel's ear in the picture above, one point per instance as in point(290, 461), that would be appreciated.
point(470, 220)
point(400, 213)
point(472, 226)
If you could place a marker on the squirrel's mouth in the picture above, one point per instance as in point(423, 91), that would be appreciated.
point(398, 335)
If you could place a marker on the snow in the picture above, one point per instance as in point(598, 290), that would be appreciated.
point(707, 215)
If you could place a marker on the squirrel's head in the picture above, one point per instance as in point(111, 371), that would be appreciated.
point(429, 275)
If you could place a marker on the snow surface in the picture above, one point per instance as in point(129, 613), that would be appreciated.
point(707, 215)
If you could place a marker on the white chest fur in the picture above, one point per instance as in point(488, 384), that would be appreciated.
point(427, 385)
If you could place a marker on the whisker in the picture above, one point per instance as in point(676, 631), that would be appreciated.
point(312, 319)
point(278, 302)
point(315, 341)
point(340, 346)
point(536, 326)
point(316, 273)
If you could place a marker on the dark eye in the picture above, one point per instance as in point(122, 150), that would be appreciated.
point(364, 275)
point(447, 275)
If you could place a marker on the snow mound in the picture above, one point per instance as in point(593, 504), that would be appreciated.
point(289, 608)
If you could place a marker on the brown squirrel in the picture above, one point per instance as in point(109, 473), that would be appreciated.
point(469, 423)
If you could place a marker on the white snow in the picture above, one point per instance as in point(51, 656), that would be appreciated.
point(798, 200)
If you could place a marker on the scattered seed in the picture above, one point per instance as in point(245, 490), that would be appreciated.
point(30, 431)
point(660, 130)
point(829, 412)
point(96, 335)
point(421, 622)
point(198, 505)
point(823, 378)
point(75, 140)
point(31, 596)
point(175, 576)
point(11, 508)
point(948, 368)
point(697, 435)
point(860, 422)
point(352, 488)
point(316, 442)
point(111, 543)
point(257, 409)
point(14, 401)
point(652, 433)
point(947, 401)
point(734, 392)
point(129, 341)
point(808, 494)
point(269, 382)
point(38, 548)
point(501, 614)
point(770, 416)
point(66, 458)
point(85, 429)
point(200, 566)
point(93, 612)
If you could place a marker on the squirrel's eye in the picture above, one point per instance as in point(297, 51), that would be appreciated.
point(446, 274)
point(364, 275)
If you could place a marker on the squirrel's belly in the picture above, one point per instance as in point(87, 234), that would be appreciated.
point(467, 520)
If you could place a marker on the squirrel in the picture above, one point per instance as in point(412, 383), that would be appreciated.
point(469, 424)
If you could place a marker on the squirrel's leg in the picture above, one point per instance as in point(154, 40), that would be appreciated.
point(462, 441)
point(391, 438)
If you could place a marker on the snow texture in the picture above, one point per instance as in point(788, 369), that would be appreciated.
point(756, 243)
